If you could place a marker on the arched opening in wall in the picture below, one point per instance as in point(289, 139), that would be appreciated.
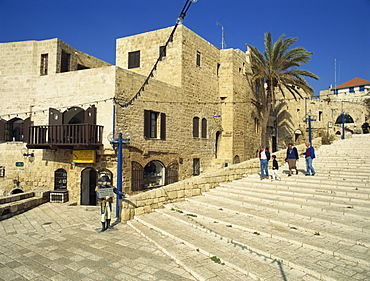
point(154, 174)
point(297, 136)
point(16, 190)
point(236, 159)
point(218, 140)
point(88, 184)
point(14, 130)
point(74, 115)
point(60, 179)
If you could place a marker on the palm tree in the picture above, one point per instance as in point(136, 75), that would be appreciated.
point(276, 71)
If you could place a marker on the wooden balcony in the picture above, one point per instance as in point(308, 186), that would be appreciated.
point(68, 136)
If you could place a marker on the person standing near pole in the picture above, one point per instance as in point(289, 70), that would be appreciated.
point(310, 155)
point(292, 158)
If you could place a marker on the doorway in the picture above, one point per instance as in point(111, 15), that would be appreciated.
point(88, 185)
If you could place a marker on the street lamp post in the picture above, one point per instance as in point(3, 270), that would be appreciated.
point(119, 142)
point(309, 119)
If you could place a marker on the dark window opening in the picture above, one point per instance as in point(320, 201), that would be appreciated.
point(362, 88)
point(162, 52)
point(14, 130)
point(65, 62)
point(196, 127)
point(198, 58)
point(204, 128)
point(351, 89)
point(196, 166)
point(2, 171)
point(44, 64)
point(134, 59)
point(60, 179)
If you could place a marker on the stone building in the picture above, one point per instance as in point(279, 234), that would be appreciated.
point(185, 105)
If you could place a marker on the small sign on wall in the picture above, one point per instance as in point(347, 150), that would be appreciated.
point(83, 156)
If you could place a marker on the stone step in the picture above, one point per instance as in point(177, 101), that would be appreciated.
point(245, 259)
point(272, 224)
point(354, 221)
point(219, 220)
point(298, 197)
point(196, 261)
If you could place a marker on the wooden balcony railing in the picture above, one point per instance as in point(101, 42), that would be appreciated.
point(68, 136)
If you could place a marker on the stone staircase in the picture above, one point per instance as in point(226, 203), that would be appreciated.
point(299, 228)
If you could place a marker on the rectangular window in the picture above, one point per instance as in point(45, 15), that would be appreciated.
point(336, 92)
point(362, 88)
point(162, 52)
point(154, 125)
point(198, 58)
point(64, 67)
point(320, 115)
point(134, 59)
point(2, 171)
point(44, 64)
point(351, 89)
point(196, 166)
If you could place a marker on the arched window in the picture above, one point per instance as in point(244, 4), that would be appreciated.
point(60, 179)
point(14, 130)
point(204, 128)
point(196, 127)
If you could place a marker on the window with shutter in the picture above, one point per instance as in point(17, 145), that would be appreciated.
point(154, 125)
point(134, 59)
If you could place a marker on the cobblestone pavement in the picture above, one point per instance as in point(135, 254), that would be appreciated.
point(62, 242)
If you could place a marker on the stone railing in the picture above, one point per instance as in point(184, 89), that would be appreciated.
point(153, 199)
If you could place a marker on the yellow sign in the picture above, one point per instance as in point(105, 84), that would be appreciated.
point(83, 156)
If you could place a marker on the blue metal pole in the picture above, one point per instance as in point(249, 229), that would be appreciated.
point(343, 126)
point(309, 130)
point(119, 173)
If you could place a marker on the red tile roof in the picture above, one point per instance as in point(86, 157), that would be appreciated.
point(354, 82)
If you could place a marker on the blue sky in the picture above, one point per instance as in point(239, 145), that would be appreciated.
point(334, 30)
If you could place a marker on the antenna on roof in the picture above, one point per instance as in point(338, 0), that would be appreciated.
point(223, 44)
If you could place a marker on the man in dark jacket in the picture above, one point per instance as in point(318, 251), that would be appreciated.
point(310, 155)
point(292, 158)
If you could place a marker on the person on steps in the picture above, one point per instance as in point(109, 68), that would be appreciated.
point(292, 158)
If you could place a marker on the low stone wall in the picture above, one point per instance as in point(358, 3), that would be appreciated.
point(18, 203)
point(153, 199)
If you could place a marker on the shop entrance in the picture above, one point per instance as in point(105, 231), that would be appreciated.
point(88, 183)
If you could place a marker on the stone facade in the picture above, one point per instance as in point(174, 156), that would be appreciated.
point(195, 86)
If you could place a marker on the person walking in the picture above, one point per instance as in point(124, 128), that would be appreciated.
point(310, 155)
point(264, 156)
point(275, 168)
point(292, 158)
